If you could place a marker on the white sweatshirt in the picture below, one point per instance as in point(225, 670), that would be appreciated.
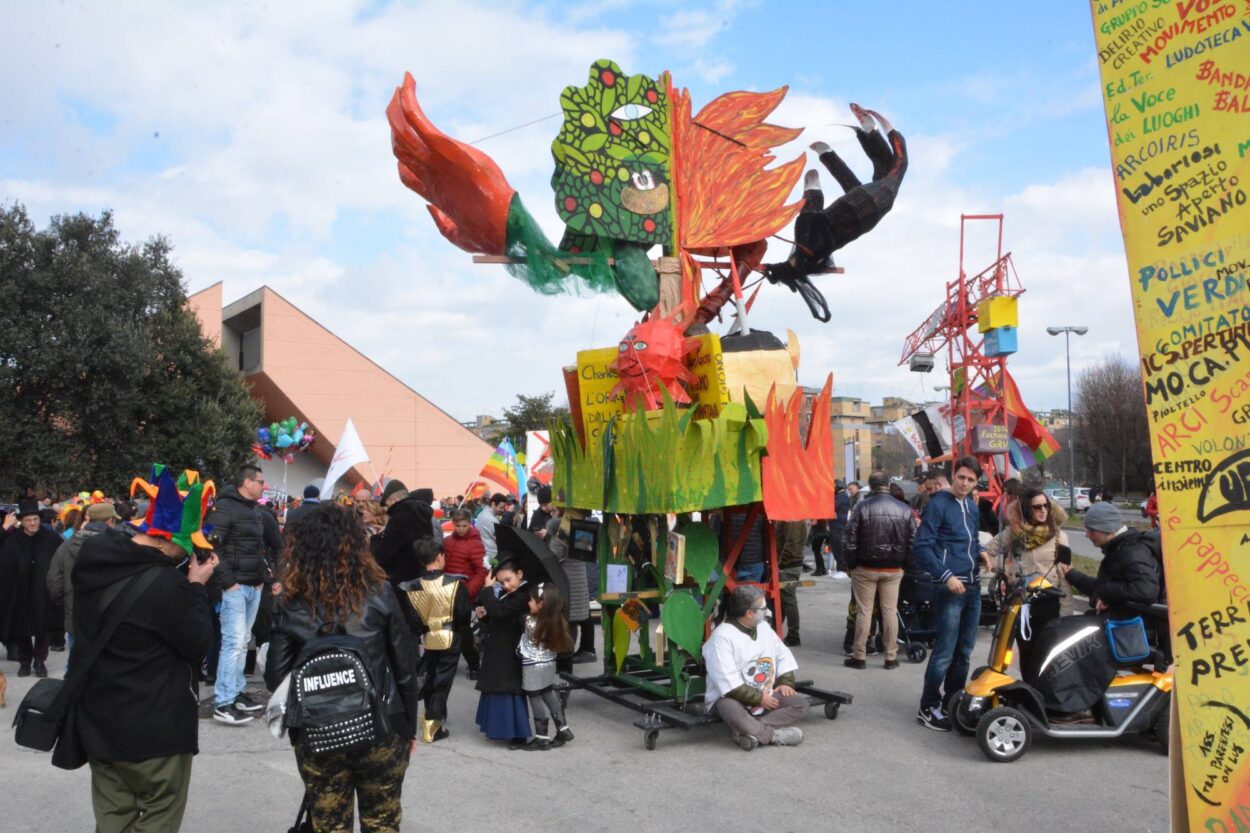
point(733, 658)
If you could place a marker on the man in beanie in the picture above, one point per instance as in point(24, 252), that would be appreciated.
point(1129, 573)
point(408, 518)
point(26, 611)
point(312, 499)
point(100, 518)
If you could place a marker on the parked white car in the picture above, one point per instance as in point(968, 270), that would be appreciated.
point(1063, 497)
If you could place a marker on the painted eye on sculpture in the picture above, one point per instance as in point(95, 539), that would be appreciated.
point(623, 347)
point(640, 345)
point(643, 180)
point(631, 112)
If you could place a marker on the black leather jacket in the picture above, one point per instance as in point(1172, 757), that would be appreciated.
point(880, 532)
point(387, 639)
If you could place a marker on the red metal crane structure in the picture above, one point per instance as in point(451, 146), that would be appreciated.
point(953, 325)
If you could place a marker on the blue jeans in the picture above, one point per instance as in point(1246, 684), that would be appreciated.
point(238, 614)
point(955, 617)
point(750, 572)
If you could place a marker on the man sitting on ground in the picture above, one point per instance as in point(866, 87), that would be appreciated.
point(750, 675)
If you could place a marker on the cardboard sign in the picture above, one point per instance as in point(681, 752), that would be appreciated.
point(990, 439)
point(1176, 96)
point(595, 381)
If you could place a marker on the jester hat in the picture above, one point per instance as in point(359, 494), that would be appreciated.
point(176, 508)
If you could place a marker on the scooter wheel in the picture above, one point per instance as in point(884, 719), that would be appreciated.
point(916, 652)
point(1161, 727)
point(953, 711)
point(1004, 734)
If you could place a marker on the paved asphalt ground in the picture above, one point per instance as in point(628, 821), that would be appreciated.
point(872, 769)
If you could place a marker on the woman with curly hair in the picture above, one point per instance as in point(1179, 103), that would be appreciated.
point(329, 577)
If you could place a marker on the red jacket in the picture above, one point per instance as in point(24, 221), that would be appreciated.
point(464, 557)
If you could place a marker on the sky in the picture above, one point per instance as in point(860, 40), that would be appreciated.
point(254, 138)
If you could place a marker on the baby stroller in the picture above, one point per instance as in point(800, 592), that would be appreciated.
point(915, 614)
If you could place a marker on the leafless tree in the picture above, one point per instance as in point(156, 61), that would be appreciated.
point(1112, 434)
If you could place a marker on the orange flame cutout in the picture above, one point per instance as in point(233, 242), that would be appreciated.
point(798, 479)
point(728, 195)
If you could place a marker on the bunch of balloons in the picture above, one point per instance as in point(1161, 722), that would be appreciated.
point(285, 438)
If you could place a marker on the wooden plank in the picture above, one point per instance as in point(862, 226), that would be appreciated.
point(575, 260)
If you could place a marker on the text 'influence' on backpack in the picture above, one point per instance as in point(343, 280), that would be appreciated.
point(336, 700)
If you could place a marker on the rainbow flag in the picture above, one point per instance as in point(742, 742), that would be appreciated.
point(1031, 443)
point(502, 468)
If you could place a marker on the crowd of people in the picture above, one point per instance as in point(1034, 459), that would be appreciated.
point(398, 589)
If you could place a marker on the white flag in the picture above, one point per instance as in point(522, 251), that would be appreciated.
point(347, 453)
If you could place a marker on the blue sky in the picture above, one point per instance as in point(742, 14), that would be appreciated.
point(255, 140)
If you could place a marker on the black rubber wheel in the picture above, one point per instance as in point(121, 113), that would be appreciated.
point(952, 711)
point(831, 710)
point(1161, 727)
point(1004, 734)
point(649, 739)
point(916, 652)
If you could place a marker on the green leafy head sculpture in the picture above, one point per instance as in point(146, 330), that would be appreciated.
point(613, 178)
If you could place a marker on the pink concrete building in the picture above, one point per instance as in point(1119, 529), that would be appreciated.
point(297, 367)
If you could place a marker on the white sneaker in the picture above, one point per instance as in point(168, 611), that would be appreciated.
point(838, 575)
point(787, 736)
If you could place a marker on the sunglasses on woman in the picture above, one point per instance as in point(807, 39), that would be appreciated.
point(1043, 506)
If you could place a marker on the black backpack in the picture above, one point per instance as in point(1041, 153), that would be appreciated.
point(336, 700)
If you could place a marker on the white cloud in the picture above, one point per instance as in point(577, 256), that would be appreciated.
point(271, 128)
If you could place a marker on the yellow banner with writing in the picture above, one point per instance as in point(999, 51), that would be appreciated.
point(1176, 89)
point(600, 400)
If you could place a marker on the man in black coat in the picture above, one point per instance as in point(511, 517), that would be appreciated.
point(27, 613)
point(137, 719)
point(1129, 572)
point(245, 542)
point(408, 518)
point(878, 545)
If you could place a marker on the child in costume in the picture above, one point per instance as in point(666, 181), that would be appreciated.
point(546, 635)
point(501, 710)
point(437, 606)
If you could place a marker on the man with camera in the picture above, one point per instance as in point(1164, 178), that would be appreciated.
point(245, 543)
point(137, 719)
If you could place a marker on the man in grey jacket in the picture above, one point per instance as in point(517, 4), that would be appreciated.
point(100, 517)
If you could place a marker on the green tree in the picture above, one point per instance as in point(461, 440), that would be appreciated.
point(103, 368)
point(531, 413)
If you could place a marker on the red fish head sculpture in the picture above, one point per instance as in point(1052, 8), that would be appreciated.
point(651, 358)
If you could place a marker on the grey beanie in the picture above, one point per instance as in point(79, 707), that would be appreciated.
point(1103, 517)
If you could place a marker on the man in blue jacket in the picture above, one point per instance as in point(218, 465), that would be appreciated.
point(948, 549)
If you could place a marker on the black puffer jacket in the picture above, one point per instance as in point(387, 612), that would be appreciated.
point(383, 629)
point(140, 699)
point(880, 532)
point(1129, 572)
point(248, 543)
point(406, 521)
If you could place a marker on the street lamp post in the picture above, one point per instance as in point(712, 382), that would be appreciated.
point(1067, 349)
